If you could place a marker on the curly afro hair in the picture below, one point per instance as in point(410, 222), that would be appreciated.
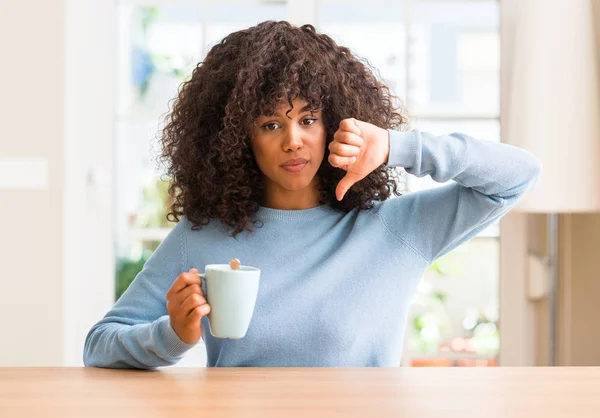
point(205, 141)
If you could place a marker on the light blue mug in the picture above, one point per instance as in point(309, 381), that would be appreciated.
point(231, 295)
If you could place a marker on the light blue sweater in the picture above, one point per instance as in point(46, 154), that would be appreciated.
point(335, 288)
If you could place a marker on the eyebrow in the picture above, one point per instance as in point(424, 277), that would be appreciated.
point(304, 109)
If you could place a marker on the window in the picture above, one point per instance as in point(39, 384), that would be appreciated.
point(441, 58)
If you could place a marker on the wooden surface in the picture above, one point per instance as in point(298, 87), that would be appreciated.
point(301, 392)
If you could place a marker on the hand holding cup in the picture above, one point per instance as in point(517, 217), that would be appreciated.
point(187, 305)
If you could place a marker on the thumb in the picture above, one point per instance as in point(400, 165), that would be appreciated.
point(345, 184)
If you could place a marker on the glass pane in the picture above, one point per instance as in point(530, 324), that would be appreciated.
point(454, 313)
point(374, 31)
point(222, 19)
point(158, 47)
point(454, 62)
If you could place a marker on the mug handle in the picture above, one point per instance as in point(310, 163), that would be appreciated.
point(202, 282)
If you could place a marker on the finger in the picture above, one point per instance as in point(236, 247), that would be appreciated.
point(350, 125)
point(344, 150)
point(197, 313)
point(184, 280)
point(191, 302)
point(178, 304)
point(180, 297)
point(345, 184)
point(339, 162)
point(348, 138)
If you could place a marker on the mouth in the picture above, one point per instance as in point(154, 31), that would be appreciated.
point(295, 168)
point(294, 161)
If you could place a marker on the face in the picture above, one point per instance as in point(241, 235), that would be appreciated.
point(289, 151)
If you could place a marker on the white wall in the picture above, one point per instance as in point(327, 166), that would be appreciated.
point(55, 255)
point(32, 116)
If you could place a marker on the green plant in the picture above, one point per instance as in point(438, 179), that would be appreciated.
point(147, 16)
point(486, 339)
point(483, 332)
point(127, 270)
point(154, 205)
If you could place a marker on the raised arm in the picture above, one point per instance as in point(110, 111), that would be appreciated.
point(490, 178)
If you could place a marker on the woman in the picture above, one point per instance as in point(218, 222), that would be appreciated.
point(281, 148)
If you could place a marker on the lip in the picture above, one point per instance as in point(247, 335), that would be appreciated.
point(294, 168)
point(295, 161)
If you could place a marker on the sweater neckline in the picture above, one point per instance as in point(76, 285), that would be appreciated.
point(294, 214)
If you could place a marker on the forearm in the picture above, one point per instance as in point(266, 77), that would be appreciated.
point(112, 344)
point(493, 169)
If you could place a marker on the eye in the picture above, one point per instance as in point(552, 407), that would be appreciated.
point(266, 126)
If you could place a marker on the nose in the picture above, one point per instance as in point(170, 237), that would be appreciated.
point(293, 140)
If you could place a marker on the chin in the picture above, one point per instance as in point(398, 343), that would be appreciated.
point(297, 183)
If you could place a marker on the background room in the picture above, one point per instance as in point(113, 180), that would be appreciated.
point(83, 201)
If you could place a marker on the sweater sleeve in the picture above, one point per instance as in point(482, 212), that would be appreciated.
point(489, 179)
point(136, 332)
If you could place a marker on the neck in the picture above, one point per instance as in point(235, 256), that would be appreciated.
point(277, 197)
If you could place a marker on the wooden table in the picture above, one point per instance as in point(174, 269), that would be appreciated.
point(301, 392)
